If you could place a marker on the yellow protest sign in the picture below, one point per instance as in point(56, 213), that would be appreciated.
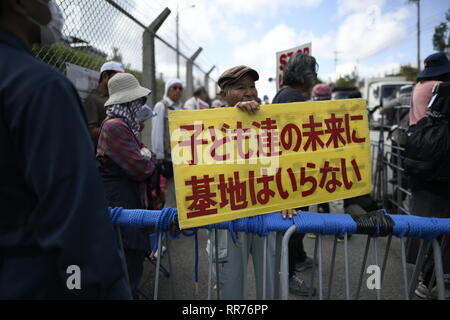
point(229, 164)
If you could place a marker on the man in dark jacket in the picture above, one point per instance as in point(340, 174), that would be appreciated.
point(56, 238)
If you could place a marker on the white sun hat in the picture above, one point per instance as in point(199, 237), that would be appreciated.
point(123, 88)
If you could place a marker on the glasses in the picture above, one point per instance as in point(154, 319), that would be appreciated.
point(177, 88)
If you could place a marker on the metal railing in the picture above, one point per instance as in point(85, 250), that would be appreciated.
point(401, 226)
point(390, 183)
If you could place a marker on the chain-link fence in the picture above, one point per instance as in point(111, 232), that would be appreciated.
point(96, 31)
point(127, 31)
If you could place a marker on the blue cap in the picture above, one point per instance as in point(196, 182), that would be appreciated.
point(436, 65)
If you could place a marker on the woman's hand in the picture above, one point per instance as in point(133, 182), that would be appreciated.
point(288, 213)
point(250, 106)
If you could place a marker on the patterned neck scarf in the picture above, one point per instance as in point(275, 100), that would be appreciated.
point(128, 112)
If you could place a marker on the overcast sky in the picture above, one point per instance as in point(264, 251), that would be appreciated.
point(373, 36)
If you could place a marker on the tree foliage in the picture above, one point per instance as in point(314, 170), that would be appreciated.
point(347, 81)
point(441, 36)
point(407, 71)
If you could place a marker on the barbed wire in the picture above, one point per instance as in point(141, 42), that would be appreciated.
point(99, 30)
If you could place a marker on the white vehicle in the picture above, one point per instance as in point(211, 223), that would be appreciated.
point(378, 91)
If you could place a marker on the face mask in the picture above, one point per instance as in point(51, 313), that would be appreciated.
point(145, 113)
point(52, 32)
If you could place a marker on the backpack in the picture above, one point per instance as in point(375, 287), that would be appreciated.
point(427, 148)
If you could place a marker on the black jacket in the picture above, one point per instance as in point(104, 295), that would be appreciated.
point(53, 208)
point(288, 94)
point(121, 191)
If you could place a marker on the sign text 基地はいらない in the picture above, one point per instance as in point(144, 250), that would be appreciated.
point(229, 164)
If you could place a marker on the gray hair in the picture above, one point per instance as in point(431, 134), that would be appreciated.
point(226, 89)
point(301, 70)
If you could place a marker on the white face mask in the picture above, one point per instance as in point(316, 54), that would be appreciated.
point(52, 32)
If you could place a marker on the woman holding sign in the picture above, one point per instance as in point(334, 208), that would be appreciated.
point(238, 89)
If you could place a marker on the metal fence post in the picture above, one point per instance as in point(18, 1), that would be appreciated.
point(438, 269)
point(149, 66)
point(279, 238)
point(206, 84)
point(189, 90)
point(284, 263)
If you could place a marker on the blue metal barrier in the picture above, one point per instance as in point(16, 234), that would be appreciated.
point(427, 229)
point(306, 222)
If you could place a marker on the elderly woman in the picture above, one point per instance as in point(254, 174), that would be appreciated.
point(161, 136)
point(126, 165)
point(300, 76)
point(238, 89)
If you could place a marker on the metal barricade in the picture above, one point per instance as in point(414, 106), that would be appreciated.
point(390, 188)
point(324, 225)
point(410, 282)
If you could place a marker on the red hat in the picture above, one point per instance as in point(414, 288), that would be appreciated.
point(321, 90)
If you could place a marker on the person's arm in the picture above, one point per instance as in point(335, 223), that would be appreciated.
point(90, 109)
point(390, 105)
point(70, 219)
point(95, 133)
point(120, 146)
point(158, 131)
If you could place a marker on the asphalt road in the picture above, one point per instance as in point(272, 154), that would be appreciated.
point(182, 257)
